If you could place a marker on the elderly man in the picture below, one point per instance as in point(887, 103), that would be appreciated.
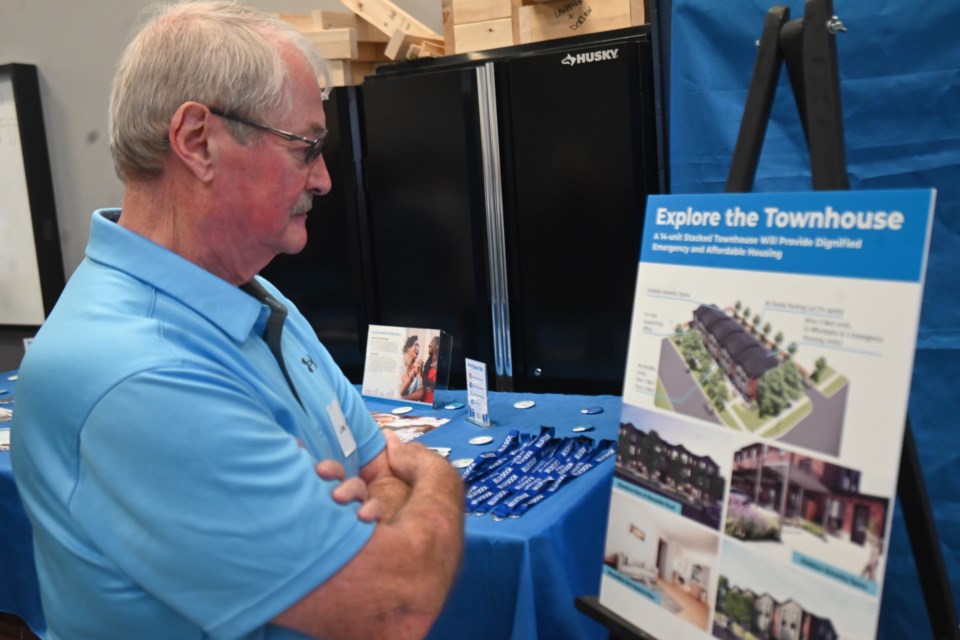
point(193, 464)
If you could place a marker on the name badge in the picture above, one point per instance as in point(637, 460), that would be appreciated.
point(344, 435)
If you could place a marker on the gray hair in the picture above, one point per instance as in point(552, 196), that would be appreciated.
point(216, 53)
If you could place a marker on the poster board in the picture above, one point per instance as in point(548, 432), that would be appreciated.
point(31, 266)
point(406, 364)
point(763, 412)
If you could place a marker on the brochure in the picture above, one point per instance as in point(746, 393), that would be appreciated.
point(406, 364)
point(407, 426)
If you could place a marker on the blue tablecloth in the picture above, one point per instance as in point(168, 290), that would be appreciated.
point(19, 591)
point(519, 576)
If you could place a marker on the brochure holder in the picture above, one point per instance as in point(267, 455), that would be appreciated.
point(407, 365)
point(807, 47)
point(444, 365)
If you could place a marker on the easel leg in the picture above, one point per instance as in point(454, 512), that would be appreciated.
point(925, 542)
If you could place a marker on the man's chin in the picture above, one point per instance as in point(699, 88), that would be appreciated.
point(297, 235)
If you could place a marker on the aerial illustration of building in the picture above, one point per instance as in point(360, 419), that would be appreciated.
point(738, 352)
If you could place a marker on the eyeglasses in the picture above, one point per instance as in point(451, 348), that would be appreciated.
point(310, 154)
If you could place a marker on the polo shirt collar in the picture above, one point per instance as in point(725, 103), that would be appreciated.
point(217, 300)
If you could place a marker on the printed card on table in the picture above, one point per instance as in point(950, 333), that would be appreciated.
point(477, 406)
point(404, 363)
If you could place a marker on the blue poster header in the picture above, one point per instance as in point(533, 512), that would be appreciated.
point(879, 235)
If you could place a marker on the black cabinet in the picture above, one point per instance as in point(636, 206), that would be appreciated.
point(530, 166)
point(425, 208)
point(579, 154)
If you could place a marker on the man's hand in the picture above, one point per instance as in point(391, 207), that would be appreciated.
point(408, 460)
point(383, 493)
point(349, 490)
point(395, 586)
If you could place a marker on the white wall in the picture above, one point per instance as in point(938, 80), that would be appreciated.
point(75, 46)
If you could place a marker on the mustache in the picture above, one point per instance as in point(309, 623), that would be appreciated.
point(303, 204)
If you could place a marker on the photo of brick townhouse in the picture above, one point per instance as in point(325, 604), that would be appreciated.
point(741, 613)
point(673, 471)
point(806, 504)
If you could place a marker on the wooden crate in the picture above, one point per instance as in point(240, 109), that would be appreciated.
point(371, 52)
point(477, 36)
point(407, 37)
point(366, 32)
point(446, 12)
point(474, 25)
point(352, 47)
point(301, 22)
point(467, 11)
point(564, 18)
point(334, 43)
point(404, 46)
point(346, 73)
point(388, 18)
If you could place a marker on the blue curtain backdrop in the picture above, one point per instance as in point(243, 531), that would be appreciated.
point(899, 65)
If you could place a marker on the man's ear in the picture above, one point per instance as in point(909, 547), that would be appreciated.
point(190, 139)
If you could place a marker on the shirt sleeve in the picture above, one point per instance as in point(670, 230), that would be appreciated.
point(208, 504)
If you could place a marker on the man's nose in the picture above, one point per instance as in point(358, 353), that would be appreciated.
point(318, 180)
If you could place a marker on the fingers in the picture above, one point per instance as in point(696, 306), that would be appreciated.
point(353, 489)
point(371, 511)
point(331, 470)
point(403, 459)
point(393, 439)
point(408, 460)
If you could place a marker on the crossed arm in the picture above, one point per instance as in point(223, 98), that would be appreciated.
point(395, 587)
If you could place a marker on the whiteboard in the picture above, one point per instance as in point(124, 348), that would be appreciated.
point(21, 299)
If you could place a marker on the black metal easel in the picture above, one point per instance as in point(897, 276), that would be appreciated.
point(808, 48)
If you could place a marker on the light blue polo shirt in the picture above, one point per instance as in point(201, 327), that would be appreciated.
point(165, 464)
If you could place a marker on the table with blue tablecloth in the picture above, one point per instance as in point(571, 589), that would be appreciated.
point(19, 591)
point(519, 576)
